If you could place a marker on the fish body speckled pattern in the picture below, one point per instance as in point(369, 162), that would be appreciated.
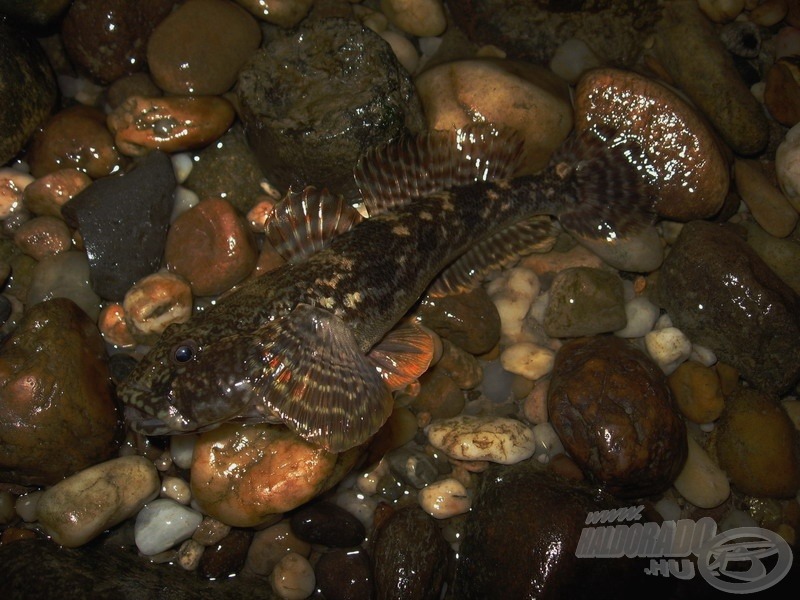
point(292, 346)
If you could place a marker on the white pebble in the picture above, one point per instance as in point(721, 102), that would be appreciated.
point(548, 444)
point(668, 509)
point(529, 360)
point(787, 166)
point(572, 58)
point(444, 499)
point(494, 439)
point(293, 578)
point(663, 322)
point(27, 505)
point(358, 504)
point(181, 448)
point(705, 356)
point(403, 50)
point(668, 348)
point(182, 164)
point(82, 506)
point(184, 200)
point(189, 554)
point(734, 519)
point(176, 489)
point(642, 316)
point(163, 523)
point(512, 294)
point(367, 482)
point(701, 481)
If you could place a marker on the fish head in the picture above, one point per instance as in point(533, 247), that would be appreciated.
point(188, 384)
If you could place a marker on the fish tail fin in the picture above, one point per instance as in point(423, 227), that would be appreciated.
point(612, 194)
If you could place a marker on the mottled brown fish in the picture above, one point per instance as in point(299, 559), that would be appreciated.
point(307, 344)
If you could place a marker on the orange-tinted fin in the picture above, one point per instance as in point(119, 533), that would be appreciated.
point(614, 198)
point(315, 379)
point(303, 223)
point(537, 234)
point(416, 166)
point(403, 355)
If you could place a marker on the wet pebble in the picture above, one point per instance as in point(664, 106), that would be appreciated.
point(223, 252)
point(107, 39)
point(155, 302)
point(162, 524)
point(310, 113)
point(723, 296)
point(421, 18)
point(613, 411)
point(123, 221)
point(269, 545)
point(43, 236)
point(64, 275)
point(532, 361)
point(285, 13)
point(668, 347)
point(226, 558)
point(513, 292)
point(293, 578)
point(444, 499)
point(327, 524)
point(75, 137)
point(410, 557)
point(782, 255)
point(79, 508)
point(584, 301)
point(199, 48)
point(413, 466)
point(522, 97)
point(439, 396)
point(495, 439)
point(344, 575)
point(697, 392)
point(769, 207)
point(48, 194)
point(59, 407)
point(470, 320)
point(756, 446)
point(641, 315)
point(701, 481)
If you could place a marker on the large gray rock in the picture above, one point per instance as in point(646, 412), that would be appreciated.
point(316, 99)
point(724, 296)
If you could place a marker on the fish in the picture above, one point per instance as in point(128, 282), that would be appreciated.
point(320, 343)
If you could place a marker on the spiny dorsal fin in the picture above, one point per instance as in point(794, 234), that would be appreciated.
point(315, 379)
point(536, 234)
point(614, 196)
point(416, 166)
point(303, 223)
point(403, 354)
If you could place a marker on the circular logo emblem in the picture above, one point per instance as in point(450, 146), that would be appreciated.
point(744, 560)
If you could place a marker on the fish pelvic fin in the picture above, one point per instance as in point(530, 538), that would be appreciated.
point(416, 166)
point(613, 197)
point(404, 354)
point(303, 223)
point(315, 379)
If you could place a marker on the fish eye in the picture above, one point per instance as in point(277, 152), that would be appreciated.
point(184, 352)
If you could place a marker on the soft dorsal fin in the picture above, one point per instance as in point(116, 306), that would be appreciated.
point(537, 234)
point(303, 223)
point(416, 166)
point(314, 378)
point(403, 354)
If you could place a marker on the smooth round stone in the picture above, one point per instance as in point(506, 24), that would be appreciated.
point(162, 524)
point(513, 293)
point(444, 499)
point(28, 101)
point(79, 508)
point(285, 13)
point(497, 382)
point(413, 467)
point(522, 97)
point(359, 504)
point(767, 204)
point(755, 445)
point(344, 575)
point(782, 92)
point(64, 275)
point(43, 236)
point(154, 303)
point(787, 166)
point(74, 137)
point(668, 347)
point(48, 194)
point(494, 439)
point(462, 367)
point(107, 38)
point(270, 545)
point(527, 359)
point(176, 489)
point(701, 481)
point(641, 315)
point(226, 557)
point(420, 18)
point(199, 48)
point(612, 409)
point(585, 301)
point(781, 255)
point(689, 166)
point(293, 578)
point(439, 396)
point(327, 524)
point(181, 449)
point(222, 250)
point(639, 252)
point(697, 392)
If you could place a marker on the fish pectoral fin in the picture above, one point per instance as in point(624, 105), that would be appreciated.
point(417, 166)
point(537, 234)
point(316, 380)
point(403, 354)
point(303, 223)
